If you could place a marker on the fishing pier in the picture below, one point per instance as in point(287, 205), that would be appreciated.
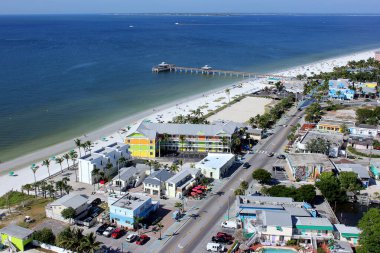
point(207, 70)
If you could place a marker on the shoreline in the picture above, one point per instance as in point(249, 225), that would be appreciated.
point(164, 113)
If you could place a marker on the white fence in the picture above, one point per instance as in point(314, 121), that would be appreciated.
point(51, 247)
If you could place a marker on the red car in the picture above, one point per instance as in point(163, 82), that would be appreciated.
point(117, 233)
point(224, 235)
point(142, 240)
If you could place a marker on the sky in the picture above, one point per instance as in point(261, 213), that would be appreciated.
point(189, 6)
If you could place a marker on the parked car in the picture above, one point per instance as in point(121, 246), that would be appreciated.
point(131, 237)
point(101, 229)
point(270, 154)
point(215, 247)
point(281, 156)
point(28, 219)
point(142, 239)
point(246, 165)
point(117, 233)
point(96, 202)
point(220, 240)
point(229, 224)
point(108, 231)
point(225, 235)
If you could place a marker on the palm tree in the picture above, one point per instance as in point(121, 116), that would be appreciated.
point(27, 188)
point(73, 156)
point(87, 146)
point(50, 189)
point(89, 244)
point(94, 173)
point(228, 93)
point(225, 142)
point(46, 163)
point(43, 187)
point(67, 157)
point(107, 168)
point(68, 188)
point(79, 144)
point(174, 168)
point(149, 163)
point(165, 139)
point(160, 226)
point(59, 160)
point(179, 206)
point(136, 222)
point(180, 162)
point(34, 168)
point(60, 186)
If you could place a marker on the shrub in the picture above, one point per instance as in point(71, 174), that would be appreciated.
point(44, 235)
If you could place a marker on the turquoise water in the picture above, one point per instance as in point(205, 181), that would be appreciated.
point(273, 250)
point(63, 76)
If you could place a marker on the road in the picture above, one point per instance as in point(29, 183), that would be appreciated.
point(194, 236)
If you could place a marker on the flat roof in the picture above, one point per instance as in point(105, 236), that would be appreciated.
point(357, 168)
point(304, 159)
point(71, 200)
point(313, 222)
point(297, 211)
point(333, 138)
point(275, 218)
point(131, 201)
point(347, 229)
point(215, 160)
point(264, 199)
point(16, 231)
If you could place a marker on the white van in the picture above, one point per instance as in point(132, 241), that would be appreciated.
point(215, 247)
point(229, 224)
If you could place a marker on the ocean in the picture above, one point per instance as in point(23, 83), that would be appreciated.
point(62, 76)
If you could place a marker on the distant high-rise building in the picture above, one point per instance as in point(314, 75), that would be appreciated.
point(377, 55)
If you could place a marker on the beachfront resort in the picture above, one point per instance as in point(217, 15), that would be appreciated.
point(263, 165)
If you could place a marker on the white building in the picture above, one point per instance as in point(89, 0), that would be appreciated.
point(359, 169)
point(178, 185)
point(155, 184)
point(215, 165)
point(364, 130)
point(129, 177)
point(274, 226)
point(334, 139)
point(78, 202)
point(348, 234)
point(99, 159)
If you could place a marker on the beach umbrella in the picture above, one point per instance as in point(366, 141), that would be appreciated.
point(198, 191)
point(11, 173)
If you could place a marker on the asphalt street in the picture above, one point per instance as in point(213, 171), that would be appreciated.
point(194, 236)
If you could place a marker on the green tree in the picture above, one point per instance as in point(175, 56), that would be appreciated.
point(73, 156)
point(262, 176)
point(59, 160)
point(136, 222)
point(89, 244)
point(44, 235)
point(244, 185)
point(228, 93)
point(68, 213)
point(349, 181)
point(79, 145)
point(313, 112)
point(239, 191)
point(330, 187)
point(67, 158)
point(179, 206)
point(370, 226)
point(305, 193)
point(318, 145)
point(46, 163)
point(34, 168)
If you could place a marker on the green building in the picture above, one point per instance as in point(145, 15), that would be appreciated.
point(16, 237)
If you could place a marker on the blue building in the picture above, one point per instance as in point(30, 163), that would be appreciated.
point(340, 89)
point(125, 209)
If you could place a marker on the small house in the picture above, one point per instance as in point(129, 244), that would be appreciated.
point(16, 237)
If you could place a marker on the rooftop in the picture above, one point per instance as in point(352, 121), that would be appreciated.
point(183, 174)
point(131, 201)
point(126, 173)
point(274, 218)
point(215, 160)
point(297, 211)
point(367, 126)
point(16, 231)
point(334, 138)
point(158, 177)
point(247, 199)
point(357, 168)
point(313, 222)
point(151, 130)
point(347, 229)
point(70, 200)
point(299, 160)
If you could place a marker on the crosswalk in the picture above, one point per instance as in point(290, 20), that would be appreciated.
point(265, 152)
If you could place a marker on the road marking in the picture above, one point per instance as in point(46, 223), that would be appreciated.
point(180, 246)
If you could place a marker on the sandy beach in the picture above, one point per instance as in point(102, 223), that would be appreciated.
point(206, 102)
point(243, 110)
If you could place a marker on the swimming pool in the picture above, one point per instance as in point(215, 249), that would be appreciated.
point(277, 250)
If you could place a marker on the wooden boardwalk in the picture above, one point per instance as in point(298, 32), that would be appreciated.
point(218, 72)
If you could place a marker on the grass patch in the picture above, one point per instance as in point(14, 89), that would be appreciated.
point(13, 198)
point(355, 152)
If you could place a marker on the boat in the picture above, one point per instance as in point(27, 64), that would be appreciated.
point(206, 67)
point(176, 23)
point(131, 26)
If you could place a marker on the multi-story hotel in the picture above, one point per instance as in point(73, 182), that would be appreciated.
point(148, 139)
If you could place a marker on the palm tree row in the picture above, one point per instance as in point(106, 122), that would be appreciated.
point(46, 189)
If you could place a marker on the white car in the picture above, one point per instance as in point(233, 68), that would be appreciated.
point(215, 247)
point(131, 237)
point(108, 231)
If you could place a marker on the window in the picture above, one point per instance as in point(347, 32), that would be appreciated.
point(151, 153)
point(151, 142)
point(150, 147)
